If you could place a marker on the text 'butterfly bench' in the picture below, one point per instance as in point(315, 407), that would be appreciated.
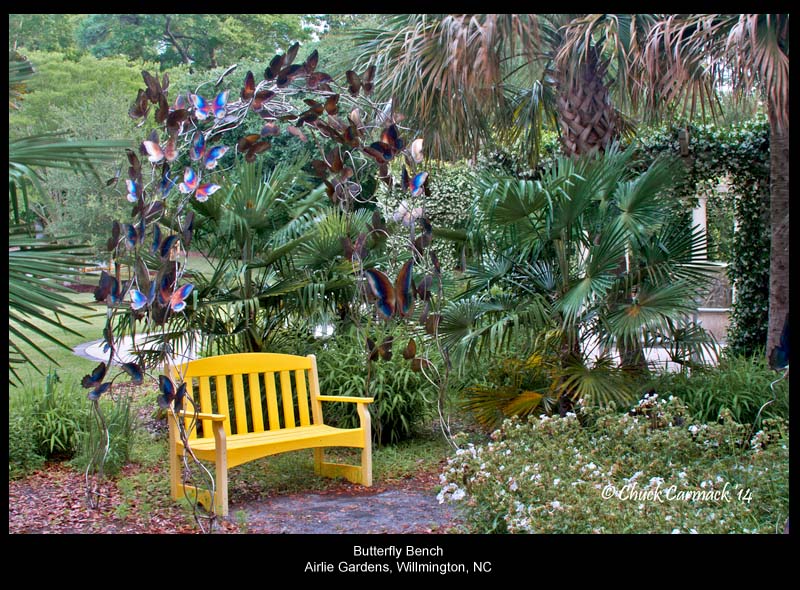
point(243, 416)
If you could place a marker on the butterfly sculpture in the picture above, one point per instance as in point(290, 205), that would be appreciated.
point(383, 351)
point(108, 289)
point(204, 109)
point(209, 156)
point(95, 377)
point(417, 185)
point(140, 300)
point(133, 190)
point(171, 396)
point(363, 82)
point(406, 214)
point(156, 153)
point(389, 145)
point(252, 145)
point(134, 234)
point(392, 300)
point(258, 98)
point(168, 295)
point(191, 184)
point(134, 371)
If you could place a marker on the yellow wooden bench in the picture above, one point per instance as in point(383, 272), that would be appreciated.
point(262, 421)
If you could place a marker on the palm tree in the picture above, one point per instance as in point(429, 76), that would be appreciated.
point(555, 267)
point(465, 79)
point(679, 63)
point(273, 242)
point(38, 265)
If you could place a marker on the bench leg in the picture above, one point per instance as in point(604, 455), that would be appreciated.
point(175, 456)
point(221, 466)
point(366, 460)
point(319, 459)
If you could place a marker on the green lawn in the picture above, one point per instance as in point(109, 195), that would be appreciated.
point(70, 366)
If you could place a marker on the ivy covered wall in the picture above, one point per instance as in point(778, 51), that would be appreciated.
point(742, 152)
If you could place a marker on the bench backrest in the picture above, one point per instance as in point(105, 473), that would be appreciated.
point(257, 391)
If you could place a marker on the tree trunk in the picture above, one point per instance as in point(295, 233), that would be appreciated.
point(779, 226)
point(587, 119)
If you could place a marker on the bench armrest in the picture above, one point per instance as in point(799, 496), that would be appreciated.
point(345, 398)
point(203, 416)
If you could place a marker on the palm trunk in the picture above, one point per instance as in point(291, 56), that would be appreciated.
point(779, 224)
point(588, 120)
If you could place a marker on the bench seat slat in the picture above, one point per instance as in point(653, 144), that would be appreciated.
point(245, 447)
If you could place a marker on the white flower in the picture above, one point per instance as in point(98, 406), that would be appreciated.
point(556, 505)
point(556, 481)
point(694, 428)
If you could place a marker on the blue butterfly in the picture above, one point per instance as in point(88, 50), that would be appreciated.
point(170, 395)
point(418, 184)
point(108, 289)
point(209, 156)
point(204, 108)
point(140, 300)
point(392, 299)
point(95, 394)
point(135, 371)
point(96, 376)
point(133, 191)
point(191, 184)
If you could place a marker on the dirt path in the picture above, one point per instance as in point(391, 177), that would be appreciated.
point(392, 511)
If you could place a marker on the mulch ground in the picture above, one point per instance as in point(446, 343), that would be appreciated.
point(53, 501)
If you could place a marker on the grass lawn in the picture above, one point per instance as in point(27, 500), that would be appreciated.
point(70, 366)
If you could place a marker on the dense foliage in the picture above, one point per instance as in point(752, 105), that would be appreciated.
point(741, 153)
point(404, 398)
point(653, 470)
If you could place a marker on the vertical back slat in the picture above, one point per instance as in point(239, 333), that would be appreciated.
point(205, 405)
point(302, 396)
point(255, 403)
point(188, 407)
point(222, 401)
point(239, 405)
point(313, 384)
point(272, 402)
point(286, 397)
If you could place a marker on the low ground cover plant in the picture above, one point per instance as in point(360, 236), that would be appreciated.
point(654, 469)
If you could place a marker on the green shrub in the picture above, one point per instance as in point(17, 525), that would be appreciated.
point(22, 448)
point(120, 420)
point(739, 383)
point(652, 470)
point(403, 398)
point(53, 414)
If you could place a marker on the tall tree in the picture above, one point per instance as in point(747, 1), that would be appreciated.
point(205, 40)
point(44, 32)
point(464, 77)
point(682, 60)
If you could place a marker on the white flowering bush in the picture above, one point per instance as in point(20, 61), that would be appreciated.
point(651, 470)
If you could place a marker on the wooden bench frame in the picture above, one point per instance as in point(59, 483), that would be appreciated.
point(260, 433)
